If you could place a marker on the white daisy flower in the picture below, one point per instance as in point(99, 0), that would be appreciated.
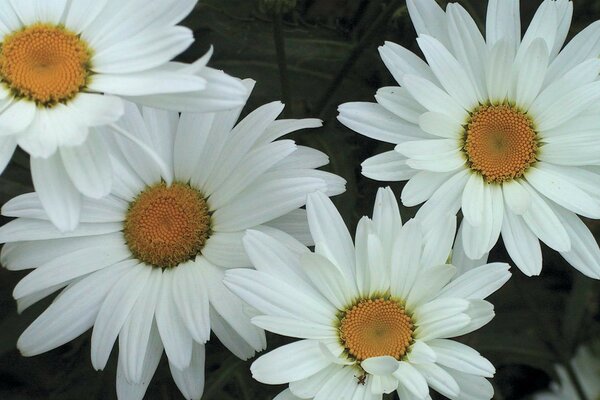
point(65, 67)
point(586, 365)
point(503, 128)
point(147, 261)
point(374, 318)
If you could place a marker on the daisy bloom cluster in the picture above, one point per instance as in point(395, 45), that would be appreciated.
point(586, 365)
point(66, 68)
point(375, 316)
point(503, 128)
point(146, 263)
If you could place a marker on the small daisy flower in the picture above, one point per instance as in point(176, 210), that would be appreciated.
point(65, 68)
point(374, 317)
point(586, 365)
point(147, 261)
point(503, 128)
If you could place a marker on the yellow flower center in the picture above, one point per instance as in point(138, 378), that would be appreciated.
point(167, 225)
point(500, 143)
point(376, 327)
point(44, 63)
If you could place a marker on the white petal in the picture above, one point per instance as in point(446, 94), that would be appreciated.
point(114, 311)
point(441, 125)
point(72, 313)
point(332, 239)
point(429, 282)
point(398, 101)
point(384, 365)
point(388, 166)
point(282, 127)
point(190, 380)
point(134, 338)
point(439, 380)
point(154, 351)
point(278, 298)
point(192, 136)
point(295, 327)
point(522, 245)
point(473, 199)
point(503, 21)
point(80, 15)
point(229, 337)
point(406, 256)
point(73, 265)
point(58, 195)
point(543, 25)
point(543, 222)
point(191, 299)
point(173, 332)
point(449, 72)
point(428, 18)
point(472, 386)
point(499, 70)
point(386, 218)
point(422, 186)
point(289, 363)
point(225, 250)
point(375, 122)
point(7, 148)
point(32, 229)
point(585, 253)
point(146, 82)
point(516, 197)
point(585, 45)
point(233, 311)
point(400, 61)
point(89, 167)
point(530, 74)
point(461, 357)
point(274, 194)
point(434, 99)
point(478, 283)
point(329, 280)
point(294, 223)
point(411, 379)
point(558, 187)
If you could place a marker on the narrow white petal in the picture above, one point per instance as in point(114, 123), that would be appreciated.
point(434, 99)
point(388, 166)
point(503, 21)
point(530, 75)
point(400, 61)
point(543, 222)
point(449, 71)
point(329, 280)
point(522, 245)
point(384, 365)
point(387, 221)
point(473, 200)
point(411, 379)
point(289, 363)
point(58, 195)
point(429, 282)
point(295, 327)
point(114, 311)
point(428, 18)
point(332, 239)
point(134, 338)
point(72, 313)
point(461, 357)
point(439, 380)
point(375, 122)
point(516, 197)
point(406, 256)
point(398, 101)
point(441, 125)
point(173, 332)
point(499, 70)
point(191, 299)
point(190, 380)
point(478, 283)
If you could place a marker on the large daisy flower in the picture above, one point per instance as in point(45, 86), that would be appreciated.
point(503, 128)
point(65, 67)
point(374, 317)
point(586, 365)
point(146, 263)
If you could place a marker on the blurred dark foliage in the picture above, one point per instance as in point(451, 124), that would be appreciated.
point(539, 321)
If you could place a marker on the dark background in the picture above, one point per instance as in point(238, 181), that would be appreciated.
point(331, 58)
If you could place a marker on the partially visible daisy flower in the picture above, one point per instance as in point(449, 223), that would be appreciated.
point(503, 128)
point(374, 317)
point(65, 68)
point(146, 263)
point(586, 365)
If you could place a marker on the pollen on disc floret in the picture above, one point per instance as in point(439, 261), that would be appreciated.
point(44, 63)
point(167, 225)
point(500, 143)
point(376, 327)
